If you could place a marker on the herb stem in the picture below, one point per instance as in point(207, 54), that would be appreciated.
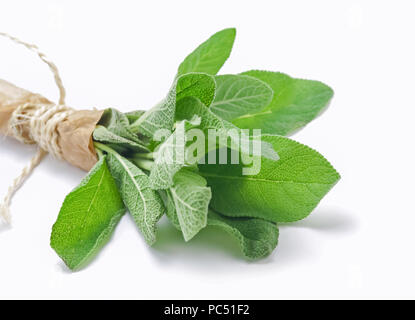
point(103, 147)
point(143, 163)
point(148, 156)
point(99, 153)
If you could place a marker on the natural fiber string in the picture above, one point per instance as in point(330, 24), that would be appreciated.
point(42, 121)
point(45, 59)
point(17, 182)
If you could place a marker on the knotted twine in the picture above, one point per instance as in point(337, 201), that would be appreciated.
point(41, 120)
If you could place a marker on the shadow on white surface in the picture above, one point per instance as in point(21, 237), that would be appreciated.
point(22, 153)
point(294, 243)
point(61, 266)
point(170, 241)
point(211, 251)
point(15, 148)
point(213, 248)
point(62, 170)
point(326, 220)
point(4, 226)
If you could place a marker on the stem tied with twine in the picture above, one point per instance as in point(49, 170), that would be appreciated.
point(42, 121)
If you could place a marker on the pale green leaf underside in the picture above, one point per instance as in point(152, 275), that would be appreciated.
point(87, 218)
point(238, 95)
point(134, 115)
point(296, 102)
point(210, 56)
point(117, 123)
point(189, 106)
point(188, 202)
point(171, 155)
point(284, 191)
point(102, 134)
point(143, 203)
point(114, 120)
point(257, 237)
point(160, 117)
point(198, 85)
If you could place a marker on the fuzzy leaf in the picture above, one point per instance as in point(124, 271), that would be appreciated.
point(210, 56)
point(160, 117)
point(102, 134)
point(171, 156)
point(296, 102)
point(117, 122)
point(188, 202)
point(238, 95)
point(257, 237)
point(144, 204)
point(284, 191)
point(198, 85)
point(134, 115)
point(87, 218)
point(190, 106)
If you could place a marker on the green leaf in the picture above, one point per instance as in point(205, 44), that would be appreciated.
point(171, 156)
point(102, 134)
point(117, 123)
point(257, 237)
point(144, 204)
point(296, 102)
point(160, 117)
point(198, 85)
point(189, 107)
point(188, 202)
point(114, 120)
point(210, 56)
point(134, 115)
point(238, 95)
point(87, 218)
point(284, 191)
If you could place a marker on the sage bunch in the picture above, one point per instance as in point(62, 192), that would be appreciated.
point(138, 171)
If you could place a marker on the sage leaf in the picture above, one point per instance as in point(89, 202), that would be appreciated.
point(102, 134)
point(296, 102)
point(284, 191)
point(87, 218)
point(144, 204)
point(160, 117)
point(198, 85)
point(188, 202)
point(210, 56)
point(134, 115)
point(239, 95)
point(117, 122)
point(114, 120)
point(190, 106)
point(171, 156)
point(257, 238)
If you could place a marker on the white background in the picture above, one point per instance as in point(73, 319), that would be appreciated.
point(358, 243)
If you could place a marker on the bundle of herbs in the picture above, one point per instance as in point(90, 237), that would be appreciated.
point(245, 180)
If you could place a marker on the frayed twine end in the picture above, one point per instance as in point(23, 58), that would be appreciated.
point(5, 213)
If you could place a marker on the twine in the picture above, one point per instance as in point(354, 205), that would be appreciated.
point(35, 124)
point(40, 122)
